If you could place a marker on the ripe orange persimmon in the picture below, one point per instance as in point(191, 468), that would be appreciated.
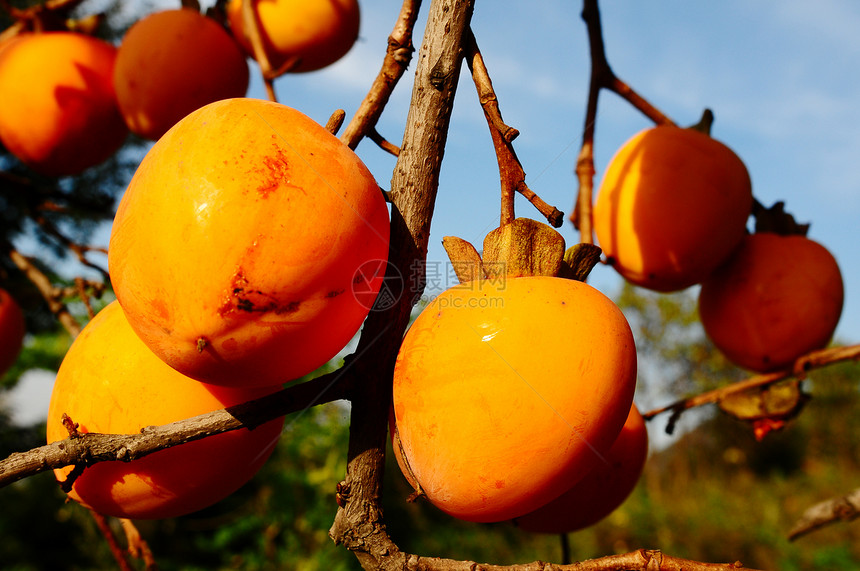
point(506, 392)
point(775, 299)
point(111, 383)
point(602, 490)
point(241, 241)
point(58, 111)
point(12, 331)
point(171, 63)
point(672, 205)
point(317, 32)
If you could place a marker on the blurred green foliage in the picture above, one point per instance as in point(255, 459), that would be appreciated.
point(713, 494)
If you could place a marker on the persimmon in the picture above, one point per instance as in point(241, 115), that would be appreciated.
point(12, 331)
point(58, 110)
point(314, 33)
point(173, 62)
point(602, 490)
point(672, 205)
point(506, 391)
point(775, 299)
point(241, 244)
point(109, 382)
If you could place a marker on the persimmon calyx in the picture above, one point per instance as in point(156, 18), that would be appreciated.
point(464, 258)
point(521, 248)
point(776, 220)
point(579, 260)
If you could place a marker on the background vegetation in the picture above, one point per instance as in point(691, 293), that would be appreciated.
point(709, 494)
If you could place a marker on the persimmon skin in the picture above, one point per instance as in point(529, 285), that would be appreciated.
point(236, 248)
point(111, 383)
point(58, 111)
point(777, 298)
point(602, 490)
point(671, 207)
point(12, 331)
point(318, 32)
point(173, 62)
point(504, 394)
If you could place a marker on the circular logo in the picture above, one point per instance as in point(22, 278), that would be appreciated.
point(366, 280)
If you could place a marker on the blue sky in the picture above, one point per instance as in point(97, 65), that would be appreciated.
point(781, 77)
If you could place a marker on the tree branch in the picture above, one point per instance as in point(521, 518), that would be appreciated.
point(46, 288)
point(511, 173)
point(843, 508)
point(90, 448)
point(358, 524)
point(602, 77)
point(397, 58)
point(804, 364)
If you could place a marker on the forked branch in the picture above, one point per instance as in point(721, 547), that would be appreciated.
point(397, 58)
point(602, 77)
point(511, 173)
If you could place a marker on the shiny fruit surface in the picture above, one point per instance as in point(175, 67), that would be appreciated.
point(317, 32)
point(109, 382)
point(241, 241)
point(505, 392)
point(777, 298)
point(12, 331)
point(173, 62)
point(672, 205)
point(58, 111)
point(602, 490)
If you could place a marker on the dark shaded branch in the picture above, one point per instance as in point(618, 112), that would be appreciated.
point(358, 524)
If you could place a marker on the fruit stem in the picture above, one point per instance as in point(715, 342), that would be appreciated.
point(704, 124)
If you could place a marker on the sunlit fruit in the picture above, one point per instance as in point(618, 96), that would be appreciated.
point(602, 490)
point(12, 330)
point(315, 33)
point(777, 298)
point(109, 382)
point(672, 205)
point(506, 392)
point(171, 63)
point(58, 111)
point(249, 245)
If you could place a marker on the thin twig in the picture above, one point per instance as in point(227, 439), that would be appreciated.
point(804, 364)
point(46, 288)
point(602, 77)
point(842, 508)
point(107, 533)
point(90, 448)
point(397, 57)
point(511, 173)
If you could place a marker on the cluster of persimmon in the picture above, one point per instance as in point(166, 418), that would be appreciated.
point(672, 212)
point(69, 99)
point(234, 255)
point(513, 391)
